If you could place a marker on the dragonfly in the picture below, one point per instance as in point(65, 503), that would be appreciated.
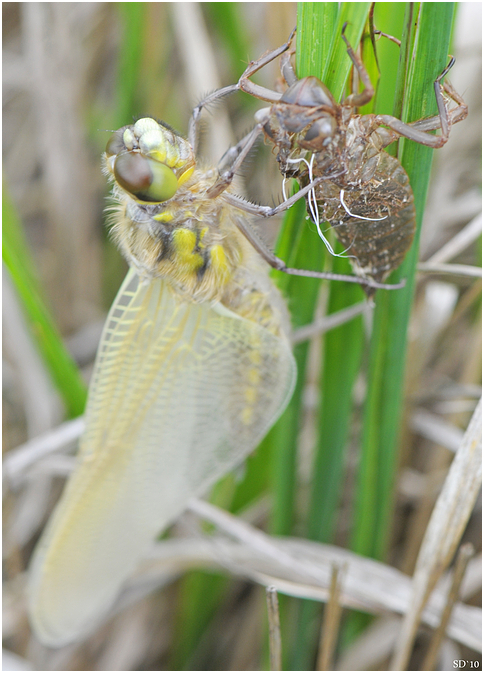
point(193, 368)
point(366, 195)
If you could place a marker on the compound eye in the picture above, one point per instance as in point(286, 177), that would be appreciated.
point(115, 144)
point(322, 128)
point(144, 178)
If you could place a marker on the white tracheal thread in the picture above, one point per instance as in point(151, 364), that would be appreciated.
point(313, 207)
point(358, 217)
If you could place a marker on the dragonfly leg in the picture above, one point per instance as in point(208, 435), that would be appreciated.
point(194, 123)
point(457, 114)
point(236, 154)
point(418, 130)
point(267, 211)
point(277, 263)
point(232, 153)
point(242, 85)
point(287, 70)
point(388, 37)
point(358, 99)
point(259, 91)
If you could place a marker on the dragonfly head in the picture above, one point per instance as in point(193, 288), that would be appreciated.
point(149, 160)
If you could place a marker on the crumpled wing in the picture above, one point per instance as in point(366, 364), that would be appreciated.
point(181, 393)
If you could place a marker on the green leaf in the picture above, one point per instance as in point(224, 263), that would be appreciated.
point(384, 404)
point(19, 262)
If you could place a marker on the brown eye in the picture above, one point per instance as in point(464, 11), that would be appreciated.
point(144, 178)
point(115, 144)
point(322, 128)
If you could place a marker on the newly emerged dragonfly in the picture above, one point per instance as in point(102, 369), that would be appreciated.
point(193, 369)
point(366, 195)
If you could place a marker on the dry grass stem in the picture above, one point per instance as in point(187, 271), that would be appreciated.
point(302, 568)
point(20, 460)
point(275, 646)
point(462, 240)
point(449, 517)
point(331, 622)
point(330, 322)
point(56, 58)
point(453, 269)
point(201, 68)
point(437, 430)
point(465, 554)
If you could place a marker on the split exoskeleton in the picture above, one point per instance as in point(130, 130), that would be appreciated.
point(362, 191)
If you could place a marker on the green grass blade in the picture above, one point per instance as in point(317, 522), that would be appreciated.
point(383, 413)
point(390, 17)
point(342, 351)
point(226, 19)
point(301, 294)
point(428, 49)
point(296, 242)
point(316, 24)
point(133, 19)
point(19, 262)
point(342, 347)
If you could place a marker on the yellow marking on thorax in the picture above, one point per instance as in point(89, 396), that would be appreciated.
point(201, 244)
point(186, 175)
point(219, 264)
point(164, 216)
point(185, 241)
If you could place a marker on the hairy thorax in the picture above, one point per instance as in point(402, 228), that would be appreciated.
point(193, 242)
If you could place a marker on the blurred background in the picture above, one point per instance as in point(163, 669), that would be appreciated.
point(73, 73)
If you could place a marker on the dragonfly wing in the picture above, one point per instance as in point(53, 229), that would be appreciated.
point(181, 393)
